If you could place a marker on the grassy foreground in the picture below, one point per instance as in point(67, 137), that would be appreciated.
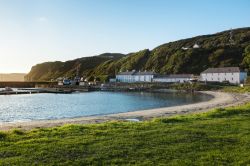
point(220, 137)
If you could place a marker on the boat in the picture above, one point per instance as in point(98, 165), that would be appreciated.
point(8, 89)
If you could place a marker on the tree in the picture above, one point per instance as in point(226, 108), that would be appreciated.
point(246, 60)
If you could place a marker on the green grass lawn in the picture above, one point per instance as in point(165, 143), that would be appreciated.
point(211, 87)
point(236, 89)
point(220, 137)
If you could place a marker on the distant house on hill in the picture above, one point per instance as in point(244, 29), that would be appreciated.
point(225, 74)
point(134, 76)
point(196, 45)
point(174, 78)
point(185, 48)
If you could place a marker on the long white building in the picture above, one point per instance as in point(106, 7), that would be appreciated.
point(174, 78)
point(134, 76)
point(226, 74)
point(147, 76)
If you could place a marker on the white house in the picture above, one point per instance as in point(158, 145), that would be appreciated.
point(185, 48)
point(174, 78)
point(229, 74)
point(196, 45)
point(134, 76)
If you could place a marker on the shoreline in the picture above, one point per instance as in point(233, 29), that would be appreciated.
point(219, 100)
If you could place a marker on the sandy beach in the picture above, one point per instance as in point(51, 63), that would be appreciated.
point(220, 99)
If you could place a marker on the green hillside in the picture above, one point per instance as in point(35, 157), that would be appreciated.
point(215, 51)
point(53, 70)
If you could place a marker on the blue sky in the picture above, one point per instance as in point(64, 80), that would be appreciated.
point(35, 31)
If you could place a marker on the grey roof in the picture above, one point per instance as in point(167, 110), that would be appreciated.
point(145, 73)
point(222, 70)
point(137, 73)
point(176, 76)
point(126, 73)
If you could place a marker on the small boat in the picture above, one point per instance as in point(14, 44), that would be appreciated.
point(8, 89)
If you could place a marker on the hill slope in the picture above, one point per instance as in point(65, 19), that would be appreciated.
point(53, 70)
point(215, 51)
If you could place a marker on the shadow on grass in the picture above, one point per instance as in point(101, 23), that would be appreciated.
point(171, 120)
point(18, 132)
point(3, 135)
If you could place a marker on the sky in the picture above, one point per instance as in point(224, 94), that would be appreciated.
point(36, 31)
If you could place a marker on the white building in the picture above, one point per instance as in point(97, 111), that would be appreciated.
point(134, 76)
point(174, 78)
point(226, 74)
point(196, 45)
point(185, 48)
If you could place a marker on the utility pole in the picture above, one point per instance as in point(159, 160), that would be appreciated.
point(231, 40)
point(78, 69)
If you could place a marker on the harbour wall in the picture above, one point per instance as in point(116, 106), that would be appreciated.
point(20, 84)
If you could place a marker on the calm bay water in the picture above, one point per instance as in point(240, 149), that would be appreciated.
point(15, 108)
